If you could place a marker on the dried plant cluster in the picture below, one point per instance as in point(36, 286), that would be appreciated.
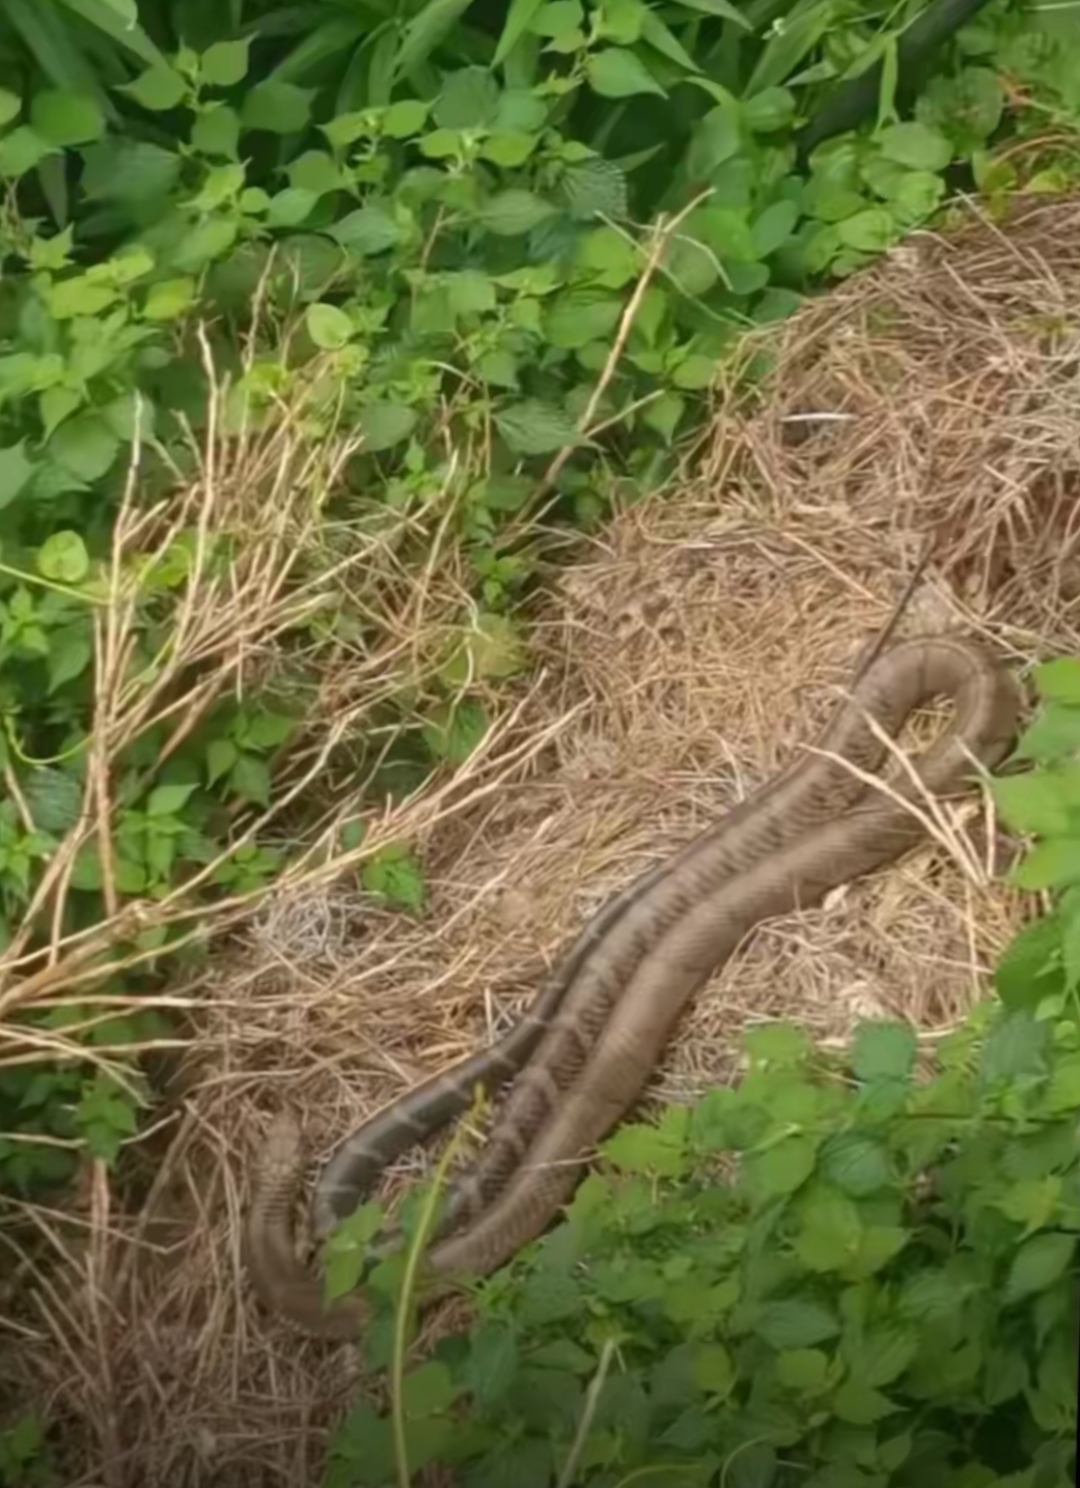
point(685, 657)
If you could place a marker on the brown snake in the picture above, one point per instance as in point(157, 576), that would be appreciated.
point(597, 1030)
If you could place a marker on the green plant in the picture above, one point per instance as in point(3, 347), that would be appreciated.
point(843, 1271)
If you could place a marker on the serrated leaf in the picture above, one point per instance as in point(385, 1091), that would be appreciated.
point(21, 151)
point(427, 1391)
point(221, 755)
point(455, 732)
point(70, 653)
point(617, 72)
point(1037, 1264)
point(536, 428)
point(250, 779)
point(10, 105)
point(645, 1149)
point(883, 1051)
point(513, 212)
point(855, 1163)
point(385, 424)
point(793, 1324)
point(916, 146)
point(167, 800)
point(224, 63)
point(1037, 802)
point(368, 231)
point(277, 107)
point(329, 327)
point(860, 1404)
point(397, 876)
point(579, 316)
point(780, 1168)
point(159, 88)
point(804, 1369)
point(1031, 966)
point(712, 1370)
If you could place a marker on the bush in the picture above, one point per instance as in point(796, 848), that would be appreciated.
point(844, 1272)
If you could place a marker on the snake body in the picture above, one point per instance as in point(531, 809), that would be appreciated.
point(587, 1046)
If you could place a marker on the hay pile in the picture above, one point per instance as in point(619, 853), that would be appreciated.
point(698, 642)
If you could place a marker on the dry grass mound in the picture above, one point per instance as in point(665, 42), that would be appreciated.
point(696, 644)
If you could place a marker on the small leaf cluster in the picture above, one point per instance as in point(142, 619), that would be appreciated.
point(839, 1272)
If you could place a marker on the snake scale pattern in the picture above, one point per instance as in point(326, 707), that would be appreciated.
point(582, 1054)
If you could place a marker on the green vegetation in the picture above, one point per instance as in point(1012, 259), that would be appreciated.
point(308, 310)
point(841, 1272)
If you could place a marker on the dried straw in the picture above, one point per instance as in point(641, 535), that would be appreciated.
point(693, 648)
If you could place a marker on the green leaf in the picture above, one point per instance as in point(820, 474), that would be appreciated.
point(781, 1168)
point(804, 1369)
point(513, 212)
point(1031, 965)
point(856, 1163)
point(870, 231)
point(159, 88)
point(456, 732)
point(884, 1051)
point(774, 227)
point(85, 446)
point(64, 119)
point(916, 146)
point(830, 1232)
point(769, 110)
point(1035, 802)
point(367, 231)
point(882, 1354)
point(861, 1404)
point(792, 1324)
point(344, 1270)
point(397, 876)
point(385, 424)
point(712, 1369)
point(250, 779)
point(1055, 735)
point(1059, 680)
point(21, 151)
point(616, 72)
point(205, 242)
point(221, 755)
point(15, 471)
point(779, 1045)
point(70, 653)
point(427, 1391)
point(63, 558)
point(329, 327)
point(167, 800)
point(404, 118)
point(722, 8)
point(1049, 865)
point(169, 299)
point(645, 1149)
point(468, 100)
point(10, 105)
point(579, 316)
point(216, 132)
point(1038, 1263)
point(536, 428)
point(278, 108)
point(224, 63)
point(289, 207)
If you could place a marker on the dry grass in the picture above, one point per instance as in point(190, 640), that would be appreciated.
point(684, 658)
